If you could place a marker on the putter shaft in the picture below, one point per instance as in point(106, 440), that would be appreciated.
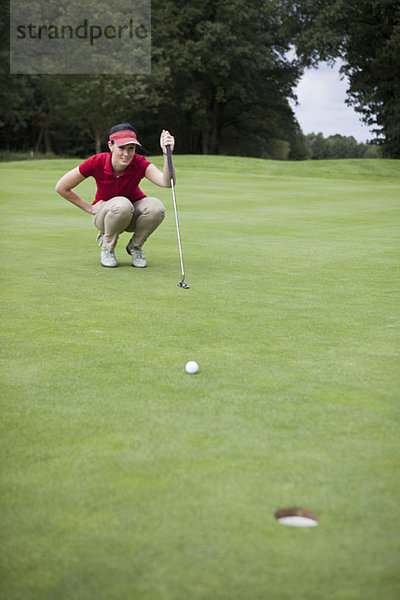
point(182, 284)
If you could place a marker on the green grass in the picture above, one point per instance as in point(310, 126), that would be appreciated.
point(122, 476)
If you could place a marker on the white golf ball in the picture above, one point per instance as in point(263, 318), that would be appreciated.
point(191, 367)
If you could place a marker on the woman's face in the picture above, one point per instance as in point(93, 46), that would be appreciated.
point(122, 155)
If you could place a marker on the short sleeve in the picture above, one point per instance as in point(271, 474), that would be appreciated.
point(88, 167)
point(143, 163)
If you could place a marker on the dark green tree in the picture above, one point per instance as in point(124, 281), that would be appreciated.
point(15, 92)
point(336, 146)
point(92, 104)
point(366, 35)
point(229, 80)
point(220, 82)
point(340, 146)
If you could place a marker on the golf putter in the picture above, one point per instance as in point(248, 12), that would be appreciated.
point(182, 283)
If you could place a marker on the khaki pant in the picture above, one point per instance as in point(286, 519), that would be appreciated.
point(119, 214)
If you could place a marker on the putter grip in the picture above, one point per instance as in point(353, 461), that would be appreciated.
point(169, 157)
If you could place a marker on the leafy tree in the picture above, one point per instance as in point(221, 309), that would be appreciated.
point(92, 104)
point(220, 82)
point(317, 146)
point(15, 92)
point(229, 79)
point(366, 35)
point(340, 146)
point(336, 146)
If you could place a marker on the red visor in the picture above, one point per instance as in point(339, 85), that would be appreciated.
point(121, 138)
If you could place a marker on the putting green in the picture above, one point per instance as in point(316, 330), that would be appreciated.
point(125, 477)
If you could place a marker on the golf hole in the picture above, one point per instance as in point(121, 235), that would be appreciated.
point(297, 517)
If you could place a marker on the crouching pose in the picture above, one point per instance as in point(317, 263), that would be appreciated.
point(120, 205)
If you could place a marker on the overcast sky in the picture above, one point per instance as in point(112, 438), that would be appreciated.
point(321, 95)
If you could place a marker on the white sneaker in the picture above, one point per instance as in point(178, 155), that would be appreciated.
point(108, 257)
point(138, 258)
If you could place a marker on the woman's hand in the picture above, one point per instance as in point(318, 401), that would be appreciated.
point(166, 139)
point(153, 174)
point(64, 188)
point(93, 209)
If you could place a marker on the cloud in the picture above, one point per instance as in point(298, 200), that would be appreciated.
point(321, 94)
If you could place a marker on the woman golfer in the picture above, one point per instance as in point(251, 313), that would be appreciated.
point(120, 205)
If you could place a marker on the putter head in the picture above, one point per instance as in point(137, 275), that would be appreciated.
point(183, 285)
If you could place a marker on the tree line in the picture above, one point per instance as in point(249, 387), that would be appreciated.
point(338, 146)
point(221, 81)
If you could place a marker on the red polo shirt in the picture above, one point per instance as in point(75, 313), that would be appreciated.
point(108, 184)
